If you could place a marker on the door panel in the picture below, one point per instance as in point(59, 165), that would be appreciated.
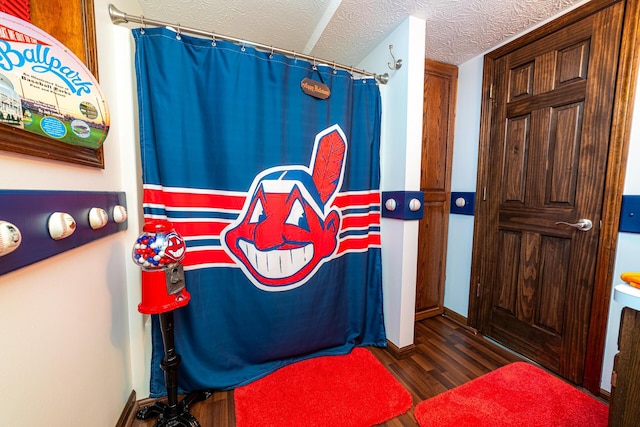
point(432, 232)
point(564, 147)
point(516, 144)
point(547, 157)
point(440, 85)
point(553, 279)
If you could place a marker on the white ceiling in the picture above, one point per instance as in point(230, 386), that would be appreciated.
point(344, 31)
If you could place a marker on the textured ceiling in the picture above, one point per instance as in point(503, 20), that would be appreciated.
point(345, 31)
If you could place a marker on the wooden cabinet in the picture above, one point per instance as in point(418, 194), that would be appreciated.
point(440, 87)
point(624, 408)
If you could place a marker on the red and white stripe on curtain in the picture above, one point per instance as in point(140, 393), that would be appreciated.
point(358, 211)
point(276, 194)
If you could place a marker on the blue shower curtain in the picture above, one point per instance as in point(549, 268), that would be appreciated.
point(276, 194)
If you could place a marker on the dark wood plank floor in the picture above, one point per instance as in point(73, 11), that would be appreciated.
point(447, 355)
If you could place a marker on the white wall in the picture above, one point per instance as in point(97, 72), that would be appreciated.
point(401, 145)
point(116, 54)
point(463, 178)
point(465, 159)
point(65, 357)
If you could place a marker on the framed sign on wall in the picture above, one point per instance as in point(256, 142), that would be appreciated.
point(76, 32)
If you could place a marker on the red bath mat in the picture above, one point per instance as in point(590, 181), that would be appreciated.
point(518, 394)
point(354, 390)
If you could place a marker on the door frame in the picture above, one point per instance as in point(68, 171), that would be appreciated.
point(628, 62)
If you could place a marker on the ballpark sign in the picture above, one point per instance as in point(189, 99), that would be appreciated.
point(46, 89)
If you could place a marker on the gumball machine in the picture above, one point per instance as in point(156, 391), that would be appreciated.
point(158, 251)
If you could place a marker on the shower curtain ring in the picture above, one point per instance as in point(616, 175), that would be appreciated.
point(213, 38)
point(315, 68)
point(335, 71)
point(243, 47)
point(143, 24)
point(178, 36)
point(271, 54)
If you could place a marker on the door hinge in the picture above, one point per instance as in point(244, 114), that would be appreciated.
point(484, 193)
point(491, 91)
point(478, 290)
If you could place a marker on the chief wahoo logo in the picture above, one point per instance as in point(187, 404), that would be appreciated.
point(288, 226)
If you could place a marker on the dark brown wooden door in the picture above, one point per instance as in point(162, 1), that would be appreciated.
point(440, 88)
point(547, 157)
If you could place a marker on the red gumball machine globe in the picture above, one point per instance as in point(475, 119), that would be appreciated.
point(158, 251)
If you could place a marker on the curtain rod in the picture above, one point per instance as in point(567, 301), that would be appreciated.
point(119, 17)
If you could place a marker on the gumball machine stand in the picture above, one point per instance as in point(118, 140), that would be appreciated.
point(159, 251)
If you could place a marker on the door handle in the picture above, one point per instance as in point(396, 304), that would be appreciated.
point(582, 224)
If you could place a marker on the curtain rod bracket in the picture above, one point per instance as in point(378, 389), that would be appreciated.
point(382, 79)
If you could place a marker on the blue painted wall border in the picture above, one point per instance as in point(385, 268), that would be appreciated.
point(402, 211)
point(29, 210)
point(630, 214)
point(469, 202)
